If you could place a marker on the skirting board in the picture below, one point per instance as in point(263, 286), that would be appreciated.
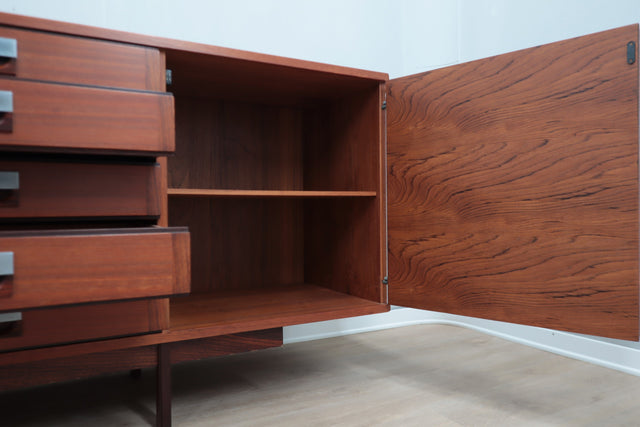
point(614, 354)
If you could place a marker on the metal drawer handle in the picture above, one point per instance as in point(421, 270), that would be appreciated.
point(8, 48)
point(6, 264)
point(9, 181)
point(6, 274)
point(6, 111)
point(10, 324)
point(8, 55)
point(6, 101)
point(9, 186)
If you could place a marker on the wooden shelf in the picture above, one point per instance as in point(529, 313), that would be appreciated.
point(233, 311)
point(195, 192)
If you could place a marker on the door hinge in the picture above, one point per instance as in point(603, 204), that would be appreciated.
point(168, 77)
point(384, 105)
point(631, 52)
point(385, 282)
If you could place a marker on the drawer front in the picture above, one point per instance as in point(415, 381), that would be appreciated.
point(79, 190)
point(41, 269)
point(83, 119)
point(49, 57)
point(83, 323)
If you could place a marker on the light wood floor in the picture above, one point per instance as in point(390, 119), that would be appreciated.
point(427, 375)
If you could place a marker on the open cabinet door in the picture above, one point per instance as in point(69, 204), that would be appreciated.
point(513, 187)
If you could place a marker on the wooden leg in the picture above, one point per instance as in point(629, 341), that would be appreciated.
point(163, 387)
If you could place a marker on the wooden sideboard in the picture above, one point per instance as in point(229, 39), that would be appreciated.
point(163, 201)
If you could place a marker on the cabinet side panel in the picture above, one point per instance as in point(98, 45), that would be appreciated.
point(513, 187)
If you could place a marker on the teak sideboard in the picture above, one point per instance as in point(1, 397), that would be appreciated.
point(163, 201)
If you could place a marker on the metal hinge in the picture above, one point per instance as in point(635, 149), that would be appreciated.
point(385, 282)
point(384, 105)
point(168, 77)
point(631, 52)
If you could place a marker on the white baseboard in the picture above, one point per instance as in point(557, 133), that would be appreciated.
point(614, 354)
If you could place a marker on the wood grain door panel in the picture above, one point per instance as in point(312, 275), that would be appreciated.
point(76, 60)
point(70, 267)
point(65, 118)
point(86, 322)
point(513, 187)
point(81, 190)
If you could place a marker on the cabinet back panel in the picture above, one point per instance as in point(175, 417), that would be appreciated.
point(342, 139)
point(230, 145)
point(341, 246)
point(241, 243)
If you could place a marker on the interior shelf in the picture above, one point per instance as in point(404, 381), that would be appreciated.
point(234, 311)
point(197, 192)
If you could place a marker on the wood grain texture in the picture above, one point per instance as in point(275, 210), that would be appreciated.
point(87, 322)
point(257, 80)
point(513, 187)
point(231, 145)
point(163, 221)
point(75, 189)
point(72, 118)
point(28, 374)
point(8, 67)
point(242, 243)
point(203, 348)
point(76, 60)
point(163, 386)
point(181, 245)
point(196, 192)
point(341, 141)
point(341, 246)
point(228, 312)
point(60, 267)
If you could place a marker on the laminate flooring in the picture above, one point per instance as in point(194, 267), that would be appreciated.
point(426, 375)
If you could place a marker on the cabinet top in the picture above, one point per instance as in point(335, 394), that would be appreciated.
point(22, 21)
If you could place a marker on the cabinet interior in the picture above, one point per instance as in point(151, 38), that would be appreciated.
point(277, 175)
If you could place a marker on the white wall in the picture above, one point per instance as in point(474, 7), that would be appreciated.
point(396, 36)
point(350, 33)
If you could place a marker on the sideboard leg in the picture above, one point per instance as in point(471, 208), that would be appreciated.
point(163, 387)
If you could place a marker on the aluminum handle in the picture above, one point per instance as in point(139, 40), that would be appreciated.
point(8, 48)
point(15, 316)
point(6, 101)
point(6, 264)
point(9, 180)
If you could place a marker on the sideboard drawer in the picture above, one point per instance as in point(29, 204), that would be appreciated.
point(41, 189)
point(51, 268)
point(64, 325)
point(48, 57)
point(55, 117)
